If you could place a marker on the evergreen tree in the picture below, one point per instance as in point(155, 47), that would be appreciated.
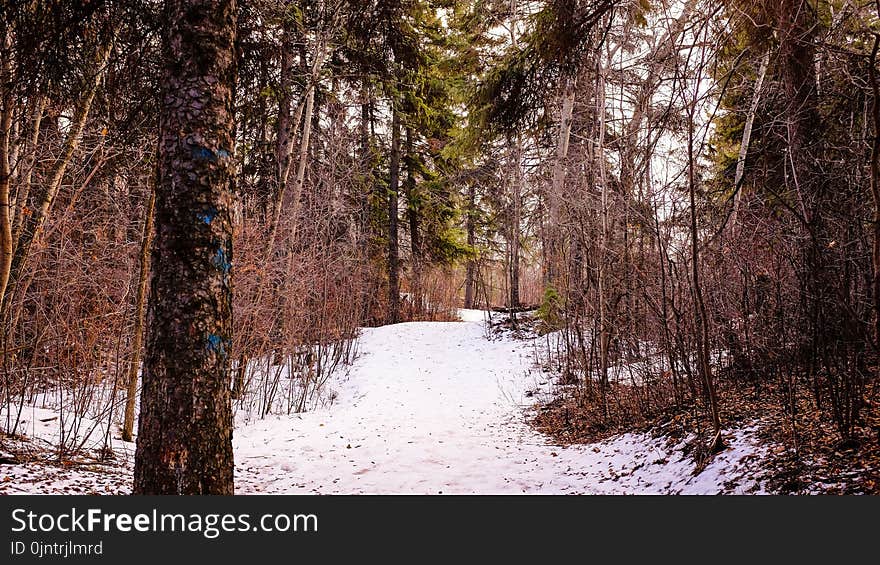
point(185, 427)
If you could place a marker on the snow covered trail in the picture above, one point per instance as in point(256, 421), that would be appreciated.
point(435, 407)
point(427, 408)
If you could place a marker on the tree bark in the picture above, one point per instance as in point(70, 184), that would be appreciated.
point(185, 427)
point(366, 158)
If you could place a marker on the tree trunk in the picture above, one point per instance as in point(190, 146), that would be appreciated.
point(557, 189)
point(514, 225)
point(822, 323)
point(185, 427)
point(5, 170)
point(605, 328)
point(516, 196)
point(875, 187)
point(137, 338)
point(284, 134)
point(29, 162)
point(471, 268)
point(393, 253)
point(701, 322)
point(796, 56)
point(367, 159)
point(299, 181)
point(370, 229)
point(304, 109)
point(746, 139)
point(412, 211)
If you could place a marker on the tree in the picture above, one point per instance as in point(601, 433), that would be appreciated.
point(185, 427)
point(393, 186)
point(139, 307)
point(16, 248)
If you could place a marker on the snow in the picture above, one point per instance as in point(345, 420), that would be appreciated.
point(43, 426)
point(429, 408)
point(468, 315)
point(435, 407)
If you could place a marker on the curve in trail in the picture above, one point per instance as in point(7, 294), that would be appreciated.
point(435, 407)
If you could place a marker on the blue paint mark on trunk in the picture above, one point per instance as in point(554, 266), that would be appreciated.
point(205, 154)
point(221, 260)
point(216, 344)
point(207, 215)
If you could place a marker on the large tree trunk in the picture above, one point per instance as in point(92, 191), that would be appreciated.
point(185, 427)
point(796, 55)
point(393, 253)
point(822, 323)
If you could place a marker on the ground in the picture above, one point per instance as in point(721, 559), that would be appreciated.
point(426, 408)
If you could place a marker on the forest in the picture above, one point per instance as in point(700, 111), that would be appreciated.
point(399, 246)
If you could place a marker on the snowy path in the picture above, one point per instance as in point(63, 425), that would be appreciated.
point(427, 408)
point(433, 407)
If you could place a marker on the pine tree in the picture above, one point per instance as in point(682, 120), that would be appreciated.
point(185, 427)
